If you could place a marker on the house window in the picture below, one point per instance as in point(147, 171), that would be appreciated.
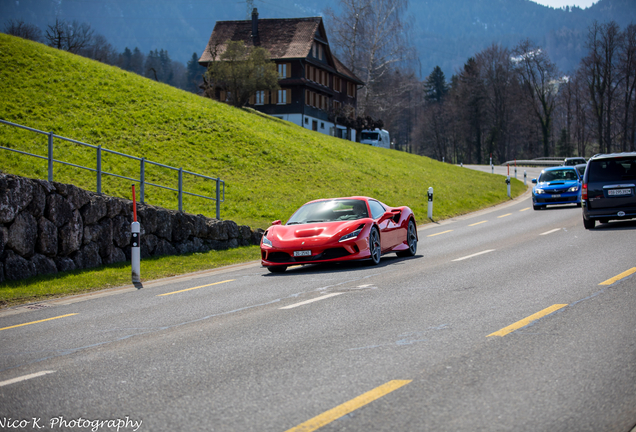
point(260, 97)
point(283, 96)
point(336, 106)
point(351, 89)
point(337, 85)
point(284, 70)
point(322, 125)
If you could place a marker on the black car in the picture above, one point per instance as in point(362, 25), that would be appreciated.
point(571, 161)
point(609, 188)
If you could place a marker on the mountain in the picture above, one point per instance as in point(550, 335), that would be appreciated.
point(445, 33)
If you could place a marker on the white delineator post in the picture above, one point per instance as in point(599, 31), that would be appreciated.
point(135, 255)
point(430, 203)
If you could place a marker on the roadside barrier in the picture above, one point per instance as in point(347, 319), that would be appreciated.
point(99, 172)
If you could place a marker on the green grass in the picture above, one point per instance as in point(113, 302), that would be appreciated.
point(82, 281)
point(270, 167)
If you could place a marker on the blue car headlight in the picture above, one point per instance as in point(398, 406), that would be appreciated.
point(538, 191)
point(573, 189)
point(351, 235)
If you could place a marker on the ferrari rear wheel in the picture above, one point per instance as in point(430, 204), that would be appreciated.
point(277, 269)
point(375, 246)
point(411, 240)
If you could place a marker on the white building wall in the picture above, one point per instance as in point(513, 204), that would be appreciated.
point(325, 127)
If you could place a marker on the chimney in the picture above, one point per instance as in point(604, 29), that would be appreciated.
point(255, 23)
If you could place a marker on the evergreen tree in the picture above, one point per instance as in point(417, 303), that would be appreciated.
point(137, 62)
point(125, 59)
point(194, 74)
point(435, 87)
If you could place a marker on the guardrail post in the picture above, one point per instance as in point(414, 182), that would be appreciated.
point(99, 169)
point(525, 177)
point(218, 198)
point(430, 203)
point(508, 183)
point(180, 189)
point(142, 179)
point(50, 156)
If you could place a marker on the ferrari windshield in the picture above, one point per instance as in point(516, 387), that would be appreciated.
point(330, 211)
point(558, 175)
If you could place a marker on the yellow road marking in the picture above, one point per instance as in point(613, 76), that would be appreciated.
point(524, 322)
point(190, 289)
point(35, 322)
point(443, 232)
point(347, 407)
point(527, 208)
point(478, 223)
point(502, 216)
point(619, 277)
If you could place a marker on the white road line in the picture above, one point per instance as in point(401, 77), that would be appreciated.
point(551, 231)
point(24, 378)
point(474, 255)
point(326, 296)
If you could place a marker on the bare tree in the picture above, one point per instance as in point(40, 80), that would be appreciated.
point(540, 79)
point(71, 37)
point(348, 30)
point(372, 36)
point(627, 70)
point(600, 71)
point(20, 29)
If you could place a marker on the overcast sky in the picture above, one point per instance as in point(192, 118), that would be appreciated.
point(561, 3)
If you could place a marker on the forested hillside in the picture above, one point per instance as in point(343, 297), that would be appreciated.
point(444, 32)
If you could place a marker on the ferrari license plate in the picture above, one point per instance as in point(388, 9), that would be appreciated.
point(302, 253)
point(619, 192)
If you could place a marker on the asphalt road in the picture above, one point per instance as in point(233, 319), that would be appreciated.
point(507, 319)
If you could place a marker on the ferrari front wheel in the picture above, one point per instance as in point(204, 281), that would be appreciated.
point(375, 246)
point(411, 241)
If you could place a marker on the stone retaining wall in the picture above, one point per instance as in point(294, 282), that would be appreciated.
point(50, 227)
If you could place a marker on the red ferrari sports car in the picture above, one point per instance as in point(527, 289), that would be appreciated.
point(339, 229)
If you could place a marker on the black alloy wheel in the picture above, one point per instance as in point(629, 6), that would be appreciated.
point(375, 246)
point(411, 240)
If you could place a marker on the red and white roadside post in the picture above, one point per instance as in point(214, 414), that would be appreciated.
point(135, 255)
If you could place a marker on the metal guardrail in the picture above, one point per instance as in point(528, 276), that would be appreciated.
point(535, 162)
point(220, 191)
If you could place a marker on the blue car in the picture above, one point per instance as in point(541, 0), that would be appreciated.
point(557, 185)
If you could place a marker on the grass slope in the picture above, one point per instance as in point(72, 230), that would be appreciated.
point(269, 166)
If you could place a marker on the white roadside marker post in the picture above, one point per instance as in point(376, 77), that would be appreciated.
point(135, 255)
point(430, 203)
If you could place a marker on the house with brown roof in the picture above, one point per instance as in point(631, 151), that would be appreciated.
point(315, 87)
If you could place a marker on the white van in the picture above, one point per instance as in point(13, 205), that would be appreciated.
point(376, 138)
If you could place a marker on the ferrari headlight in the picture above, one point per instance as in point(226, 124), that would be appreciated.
point(573, 189)
point(539, 191)
point(351, 235)
point(266, 241)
